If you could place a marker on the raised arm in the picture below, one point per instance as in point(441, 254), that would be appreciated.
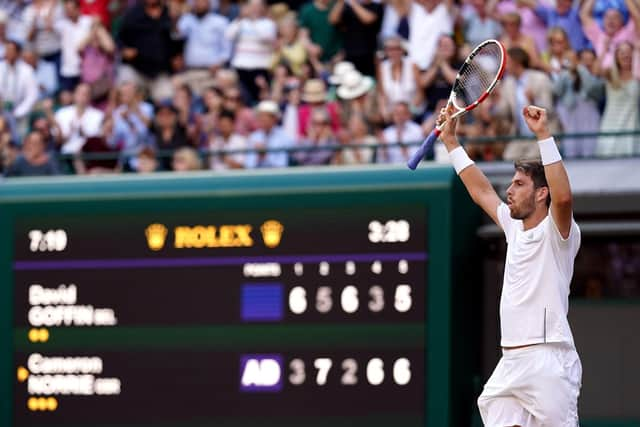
point(634, 11)
point(586, 12)
point(554, 171)
point(477, 184)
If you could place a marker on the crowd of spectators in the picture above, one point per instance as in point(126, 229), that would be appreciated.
point(108, 86)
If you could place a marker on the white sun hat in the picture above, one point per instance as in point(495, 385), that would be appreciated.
point(339, 70)
point(354, 85)
point(269, 107)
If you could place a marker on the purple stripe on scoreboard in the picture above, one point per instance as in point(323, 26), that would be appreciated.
point(262, 302)
point(122, 263)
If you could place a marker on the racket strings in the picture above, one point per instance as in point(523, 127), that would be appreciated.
point(478, 75)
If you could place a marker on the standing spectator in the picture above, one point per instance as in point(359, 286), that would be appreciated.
point(167, 133)
point(319, 136)
point(73, 30)
point(34, 160)
point(254, 35)
point(396, 79)
point(206, 47)
point(294, 49)
point(45, 73)
point(270, 142)
point(560, 54)
point(15, 25)
point(97, 67)
point(226, 139)
point(132, 118)
point(621, 108)
point(605, 40)
point(359, 133)
point(360, 21)
point(98, 9)
point(578, 93)
point(530, 23)
point(18, 85)
point(314, 96)
point(478, 25)
point(78, 121)
point(437, 80)
point(521, 87)
point(563, 15)
point(403, 131)
point(315, 25)
point(428, 20)
point(395, 21)
point(39, 19)
point(148, 51)
point(3, 31)
point(600, 8)
point(514, 36)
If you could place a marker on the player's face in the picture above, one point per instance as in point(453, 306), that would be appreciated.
point(521, 196)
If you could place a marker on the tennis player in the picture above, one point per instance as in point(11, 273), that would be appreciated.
point(537, 380)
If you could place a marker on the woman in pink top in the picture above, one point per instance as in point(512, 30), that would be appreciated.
point(614, 32)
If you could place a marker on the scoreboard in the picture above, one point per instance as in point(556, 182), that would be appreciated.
point(270, 299)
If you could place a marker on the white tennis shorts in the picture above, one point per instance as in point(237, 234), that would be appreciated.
point(533, 386)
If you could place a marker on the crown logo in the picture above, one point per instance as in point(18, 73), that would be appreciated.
point(156, 235)
point(271, 233)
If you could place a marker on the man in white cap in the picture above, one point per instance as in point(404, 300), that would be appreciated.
point(270, 142)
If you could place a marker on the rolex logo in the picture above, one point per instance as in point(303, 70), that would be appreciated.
point(156, 235)
point(271, 233)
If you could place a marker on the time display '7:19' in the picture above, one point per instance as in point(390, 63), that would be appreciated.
point(47, 241)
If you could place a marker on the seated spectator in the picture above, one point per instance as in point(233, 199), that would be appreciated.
point(102, 144)
point(290, 106)
point(436, 81)
point(245, 117)
point(226, 139)
point(319, 135)
point(18, 86)
point(364, 18)
point(97, 68)
point(478, 24)
point(514, 36)
point(315, 26)
point(563, 15)
point(206, 48)
point(578, 92)
point(268, 139)
point(34, 160)
point(358, 96)
point(45, 123)
point(605, 40)
point(253, 35)
point(396, 79)
point(206, 120)
point(167, 133)
point(184, 103)
point(397, 137)
point(146, 161)
point(621, 110)
point(45, 73)
point(98, 9)
point(186, 159)
point(314, 96)
point(146, 24)
point(73, 30)
point(78, 121)
point(523, 86)
point(131, 120)
point(359, 133)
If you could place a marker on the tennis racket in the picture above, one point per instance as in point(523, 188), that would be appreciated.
point(477, 77)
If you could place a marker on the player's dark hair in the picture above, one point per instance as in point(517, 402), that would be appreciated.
point(519, 55)
point(534, 170)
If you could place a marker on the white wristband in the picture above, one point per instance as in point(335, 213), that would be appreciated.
point(460, 159)
point(549, 151)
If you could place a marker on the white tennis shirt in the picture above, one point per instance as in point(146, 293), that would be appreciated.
point(535, 291)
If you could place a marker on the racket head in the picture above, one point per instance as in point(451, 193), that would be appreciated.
point(478, 75)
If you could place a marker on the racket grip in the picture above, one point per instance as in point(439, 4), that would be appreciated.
point(422, 150)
